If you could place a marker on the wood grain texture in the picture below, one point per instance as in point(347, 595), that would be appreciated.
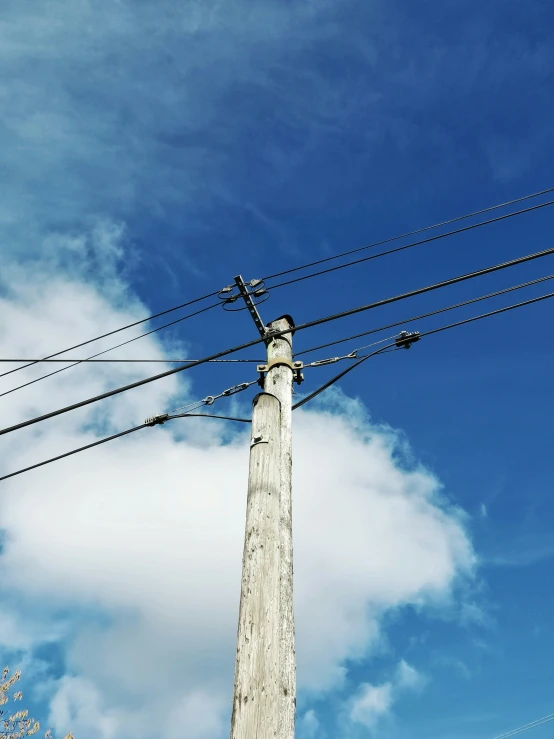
point(279, 382)
point(256, 694)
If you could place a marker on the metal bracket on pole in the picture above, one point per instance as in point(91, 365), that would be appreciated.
point(296, 368)
point(250, 305)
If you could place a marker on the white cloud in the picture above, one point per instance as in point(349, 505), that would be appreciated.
point(197, 715)
point(309, 725)
point(371, 703)
point(140, 541)
point(408, 677)
point(78, 703)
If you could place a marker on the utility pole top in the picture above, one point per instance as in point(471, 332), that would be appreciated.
point(243, 290)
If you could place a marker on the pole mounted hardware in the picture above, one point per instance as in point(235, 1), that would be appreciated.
point(407, 338)
point(253, 293)
point(296, 368)
point(243, 291)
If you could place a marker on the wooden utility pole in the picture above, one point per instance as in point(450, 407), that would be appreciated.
point(264, 700)
point(256, 694)
point(278, 381)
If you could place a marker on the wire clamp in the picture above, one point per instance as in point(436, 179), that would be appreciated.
point(407, 338)
point(157, 420)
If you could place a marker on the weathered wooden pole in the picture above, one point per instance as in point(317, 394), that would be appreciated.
point(278, 381)
point(264, 701)
point(257, 669)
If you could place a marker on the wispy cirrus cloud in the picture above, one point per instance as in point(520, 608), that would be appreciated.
point(125, 111)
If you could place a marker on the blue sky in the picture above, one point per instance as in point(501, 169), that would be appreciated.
point(150, 152)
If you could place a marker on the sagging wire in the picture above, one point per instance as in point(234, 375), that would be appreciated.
point(351, 355)
point(187, 409)
point(404, 340)
point(153, 421)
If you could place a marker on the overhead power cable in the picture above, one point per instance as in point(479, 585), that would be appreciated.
point(276, 334)
point(105, 351)
point(304, 266)
point(426, 315)
point(410, 233)
point(116, 436)
point(388, 347)
point(115, 331)
point(336, 378)
point(496, 312)
point(527, 727)
point(74, 451)
point(211, 415)
point(161, 419)
point(409, 246)
point(154, 421)
point(130, 361)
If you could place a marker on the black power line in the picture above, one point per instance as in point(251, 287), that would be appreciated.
point(75, 451)
point(428, 288)
point(336, 378)
point(486, 315)
point(92, 357)
point(116, 436)
point(410, 233)
point(302, 402)
point(211, 415)
point(304, 266)
point(427, 315)
point(409, 246)
point(115, 331)
point(425, 333)
point(128, 361)
point(276, 334)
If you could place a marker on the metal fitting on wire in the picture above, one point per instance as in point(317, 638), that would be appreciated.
point(407, 338)
point(157, 420)
point(236, 389)
point(209, 400)
point(322, 362)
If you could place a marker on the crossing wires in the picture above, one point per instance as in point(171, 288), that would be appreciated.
point(402, 341)
point(412, 233)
